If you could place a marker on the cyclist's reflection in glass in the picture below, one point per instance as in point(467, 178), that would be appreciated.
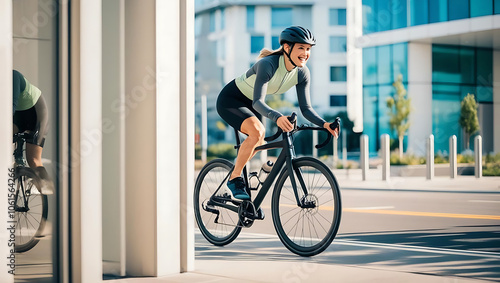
point(31, 114)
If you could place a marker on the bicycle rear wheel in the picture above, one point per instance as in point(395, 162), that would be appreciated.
point(217, 224)
point(30, 210)
point(307, 231)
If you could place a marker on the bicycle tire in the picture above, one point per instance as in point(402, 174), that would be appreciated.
point(211, 176)
point(29, 224)
point(307, 231)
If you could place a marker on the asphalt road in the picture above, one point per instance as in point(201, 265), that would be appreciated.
point(447, 234)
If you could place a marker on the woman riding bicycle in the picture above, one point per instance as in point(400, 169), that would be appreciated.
point(30, 114)
point(241, 103)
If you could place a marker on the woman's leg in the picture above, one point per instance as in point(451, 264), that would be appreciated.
point(252, 127)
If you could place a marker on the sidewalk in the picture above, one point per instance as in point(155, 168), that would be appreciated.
point(352, 179)
point(298, 269)
point(216, 271)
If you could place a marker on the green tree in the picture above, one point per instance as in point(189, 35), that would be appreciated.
point(399, 112)
point(468, 116)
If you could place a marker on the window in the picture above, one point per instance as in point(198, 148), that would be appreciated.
point(250, 17)
point(338, 74)
point(384, 65)
point(222, 19)
point(369, 17)
point(338, 100)
point(338, 44)
point(256, 44)
point(458, 9)
point(384, 15)
point(419, 12)
point(281, 17)
point(438, 11)
point(370, 66)
point(481, 8)
point(212, 21)
point(497, 6)
point(275, 42)
point(337, 17)
point(399, 14)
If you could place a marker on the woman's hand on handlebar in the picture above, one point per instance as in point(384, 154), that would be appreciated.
point(334, 132)
point(284, 124)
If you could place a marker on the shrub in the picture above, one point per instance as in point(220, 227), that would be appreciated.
point(408, 159)
point(465, 158)
point(221, 150)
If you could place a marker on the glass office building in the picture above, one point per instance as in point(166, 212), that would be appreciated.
point(444, 50)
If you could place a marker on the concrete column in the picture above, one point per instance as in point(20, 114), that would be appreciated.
point(335, 152)
point(430, 158)
point(453, 157)
point(386, 156)
point(420, 91)
point(186, 135)
point(354, 63)
point(478, 156)
point(364, 155)
point(86, 141)
point(6, 129)
point(159, 129)
point(113, 170)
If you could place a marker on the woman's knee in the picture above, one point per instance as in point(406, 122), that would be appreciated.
point(254, 129)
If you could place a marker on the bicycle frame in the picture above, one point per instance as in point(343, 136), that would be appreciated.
point(285, 158)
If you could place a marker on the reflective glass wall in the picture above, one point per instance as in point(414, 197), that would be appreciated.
point(35, 56)
point(382, 15)
point(381, 66)
point(457, 71)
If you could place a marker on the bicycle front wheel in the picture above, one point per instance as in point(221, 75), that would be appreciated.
point(30, 210)
point(218, 225)
point(308, 229)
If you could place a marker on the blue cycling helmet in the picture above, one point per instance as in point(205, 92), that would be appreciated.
point(297, 34)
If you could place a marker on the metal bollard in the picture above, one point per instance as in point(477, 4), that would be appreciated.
point(478, 156)
point(335, 152)
point(453, 157)
point(364, 156)
point(386, 156)
point(314, 143)
point(430, 158)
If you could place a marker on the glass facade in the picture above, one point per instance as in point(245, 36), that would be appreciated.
point(275, 42)
point(381, 65)
point(338, 44)
point(419, 12)
point(338, 17)
point(281, 17)
point(212, 21)
point(383, 15)
point(457, 71)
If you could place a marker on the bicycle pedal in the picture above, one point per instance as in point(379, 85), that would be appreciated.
point(260, 214)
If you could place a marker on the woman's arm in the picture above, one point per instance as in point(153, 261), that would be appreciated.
point(304, 98)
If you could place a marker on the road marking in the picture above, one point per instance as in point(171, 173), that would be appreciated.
point(249, 235)
point(419, 249)
point(372, 208)
point(428, 214)
point(407, 213)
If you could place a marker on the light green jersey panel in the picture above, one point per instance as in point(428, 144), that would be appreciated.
point(28, 97)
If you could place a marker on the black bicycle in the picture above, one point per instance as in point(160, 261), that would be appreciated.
point(306, 203)
point(30, 205)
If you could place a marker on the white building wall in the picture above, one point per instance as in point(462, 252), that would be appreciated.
point(419, 90)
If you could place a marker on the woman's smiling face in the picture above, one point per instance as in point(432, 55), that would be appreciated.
point(300, 53)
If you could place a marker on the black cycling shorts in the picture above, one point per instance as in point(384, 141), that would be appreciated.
point(234, 107)
point(34, 120)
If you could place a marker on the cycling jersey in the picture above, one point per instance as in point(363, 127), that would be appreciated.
point(25, 95)
point(270, 76)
